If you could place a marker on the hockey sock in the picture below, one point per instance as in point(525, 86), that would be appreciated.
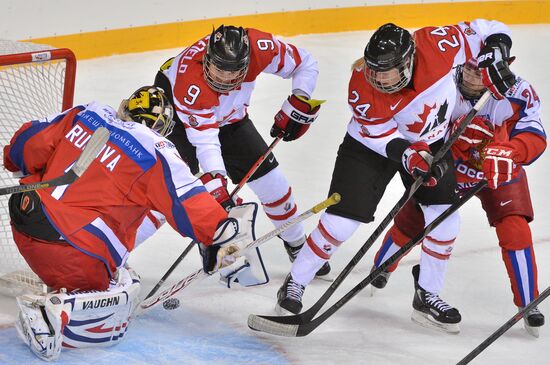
point(275, 194)
point(519, 258)
point(323, 241)
point(393, 241)
point(436, 248)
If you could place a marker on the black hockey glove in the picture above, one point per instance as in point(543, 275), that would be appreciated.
point(493, 62)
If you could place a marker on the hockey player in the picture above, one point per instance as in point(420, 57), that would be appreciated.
point(498, 156)
point(210, 84)
point(401, 93)
point(77, 237)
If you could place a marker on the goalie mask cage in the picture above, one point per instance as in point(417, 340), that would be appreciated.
point(36, 81)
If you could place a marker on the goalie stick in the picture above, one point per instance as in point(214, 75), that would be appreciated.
point(302, 324)
point(311, 312)
point(89, 153)
point(251, 172)
point(200, 274)
point(505, 327)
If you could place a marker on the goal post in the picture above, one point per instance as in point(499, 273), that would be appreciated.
point(36, 81)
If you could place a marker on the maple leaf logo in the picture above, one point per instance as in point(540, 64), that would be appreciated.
point(439, 118)
point(417, 127)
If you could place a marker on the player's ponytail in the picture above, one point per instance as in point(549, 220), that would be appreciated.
point(358, 64)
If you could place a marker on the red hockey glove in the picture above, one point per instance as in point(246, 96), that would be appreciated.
point(493, 62)
point(295, 117)
point(216, 184)
point(479, 131)
point(499, 166)
point(417, 159)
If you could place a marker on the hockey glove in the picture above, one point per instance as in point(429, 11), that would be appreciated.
point(499, 166)
point(295, 117)
point(479, 131)
point(417, 159)
point(216, 184)
point(493, 62)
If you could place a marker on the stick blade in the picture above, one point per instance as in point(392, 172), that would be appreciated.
point(92, 149)
point(262, 324)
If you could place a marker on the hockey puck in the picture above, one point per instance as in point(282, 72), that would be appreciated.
point(171, 303)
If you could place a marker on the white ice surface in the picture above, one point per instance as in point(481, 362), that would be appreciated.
point(210, 326)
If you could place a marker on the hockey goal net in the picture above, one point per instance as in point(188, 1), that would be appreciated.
point(35, 81)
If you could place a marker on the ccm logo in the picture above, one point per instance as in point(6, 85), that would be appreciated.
point(484, 57)
point(498, 152)
point(301, 118)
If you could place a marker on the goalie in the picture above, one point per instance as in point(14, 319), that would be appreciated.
point(77, 237)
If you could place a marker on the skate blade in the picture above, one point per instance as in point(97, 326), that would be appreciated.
point(328, 277)
point(533, 331)
point(281, 311)
point(372, 291)
point(427, 321)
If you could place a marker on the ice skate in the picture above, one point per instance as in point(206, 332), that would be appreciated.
point(289, 297)
point(380, 281)
point(431, 311)
point(532, 321)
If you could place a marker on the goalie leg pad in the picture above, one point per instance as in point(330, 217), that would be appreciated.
point(41, 321)
point(102, 318)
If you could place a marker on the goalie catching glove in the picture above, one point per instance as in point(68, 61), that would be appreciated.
point(295, 117)
point(231, 237)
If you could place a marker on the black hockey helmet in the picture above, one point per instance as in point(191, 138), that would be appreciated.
point(148, 105)
point(390, 47)
point(469, 81)
point(227, 57)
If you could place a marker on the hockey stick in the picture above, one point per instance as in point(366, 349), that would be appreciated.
point(505, 327)
point(89, 153)
point(302, 324)
point(170, 270)
point(200, 274)
point(311, 312)
point(232, 195)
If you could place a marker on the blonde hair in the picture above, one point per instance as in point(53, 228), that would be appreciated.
point(359, 64)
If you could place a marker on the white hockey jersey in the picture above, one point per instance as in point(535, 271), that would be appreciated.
point(204, 111)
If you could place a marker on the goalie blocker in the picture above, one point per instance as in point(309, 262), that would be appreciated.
point(232, 236)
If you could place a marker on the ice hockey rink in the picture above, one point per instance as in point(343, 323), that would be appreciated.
point(210, 325)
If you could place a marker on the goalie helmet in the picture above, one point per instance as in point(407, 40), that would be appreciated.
point(389, 58)
point(148, 105)
point(226, 60)
point(469, 80)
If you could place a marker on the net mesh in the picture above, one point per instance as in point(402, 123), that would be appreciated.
point(32, 86)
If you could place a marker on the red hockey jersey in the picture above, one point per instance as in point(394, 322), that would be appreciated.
point(137, 171)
